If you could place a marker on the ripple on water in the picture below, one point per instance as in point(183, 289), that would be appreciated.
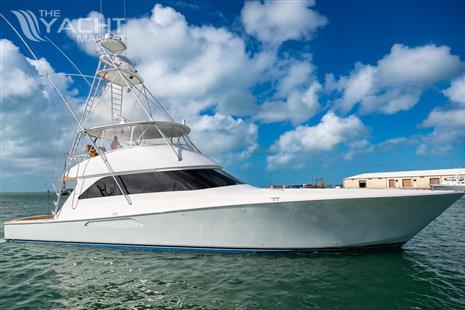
point(429, 273)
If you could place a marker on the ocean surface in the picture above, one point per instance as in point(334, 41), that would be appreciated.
point(428, 274)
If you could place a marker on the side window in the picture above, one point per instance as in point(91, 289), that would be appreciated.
point(152, 182)
point(102, 188)
point(165, 181)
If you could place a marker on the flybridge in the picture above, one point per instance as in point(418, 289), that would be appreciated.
point(116, 83)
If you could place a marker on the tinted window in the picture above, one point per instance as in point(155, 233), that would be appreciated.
point(165, 181)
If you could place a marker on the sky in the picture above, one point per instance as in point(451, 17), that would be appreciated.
point(278, 92)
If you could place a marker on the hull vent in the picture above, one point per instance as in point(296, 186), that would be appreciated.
point(114, 223)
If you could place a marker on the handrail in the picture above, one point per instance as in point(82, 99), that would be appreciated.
point(138, 100)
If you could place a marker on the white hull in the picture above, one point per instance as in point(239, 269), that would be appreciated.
point(282, 226)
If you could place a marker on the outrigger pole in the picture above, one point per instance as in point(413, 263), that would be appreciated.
point(70, 61)
point(81, 127)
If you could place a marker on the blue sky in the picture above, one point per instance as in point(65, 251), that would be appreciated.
point(278, 92)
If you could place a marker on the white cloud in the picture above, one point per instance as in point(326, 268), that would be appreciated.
point(456, 92)
point(297, 75)
point(225, 137)
point(423, 65)
point(240, 103)
point(191, 62)
point(275, 22)
point(391, 101)
point(16, 72)
point(295, 93)
point(449, 130)
point(36, 128)
point(85, 31)
point(299, 106)
point(450, 119)
point(397, 81)
point(448, 122)
point(182, 62)
point(323, 137)
point(355, 87)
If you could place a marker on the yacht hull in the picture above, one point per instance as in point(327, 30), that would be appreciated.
point(280, 226)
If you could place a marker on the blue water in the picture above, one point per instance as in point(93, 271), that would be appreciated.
point(428, 274)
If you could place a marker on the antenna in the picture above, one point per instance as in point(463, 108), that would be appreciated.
point(102, 21)
point(125, 22)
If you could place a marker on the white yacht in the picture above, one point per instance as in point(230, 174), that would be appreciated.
point(144, 184)
point(456, 183)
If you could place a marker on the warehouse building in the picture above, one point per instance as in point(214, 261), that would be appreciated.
point(401, 179)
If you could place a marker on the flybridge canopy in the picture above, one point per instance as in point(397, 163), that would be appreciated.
point(113, 44)
point(121, 77)
point(138, 130)
point(117, 69)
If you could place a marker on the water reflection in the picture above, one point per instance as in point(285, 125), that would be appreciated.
point(429, 273)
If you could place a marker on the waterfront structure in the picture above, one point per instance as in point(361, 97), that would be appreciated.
point(417, 179)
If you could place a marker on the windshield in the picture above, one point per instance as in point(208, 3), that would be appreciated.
point(109, 138)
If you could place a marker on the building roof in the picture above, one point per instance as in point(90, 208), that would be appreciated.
point(412, 173)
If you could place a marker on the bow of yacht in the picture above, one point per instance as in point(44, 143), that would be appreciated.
point(145, 184)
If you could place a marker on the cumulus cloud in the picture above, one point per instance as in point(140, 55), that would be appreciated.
point(397, 81)
point(451, 119)
point(35, 128)
point(225, 137)
point(449, 130)
point(456, 91)
point(296, 94)
point(86, 30)
point(17, 66)
point(323, 137)
point(448, 122)
point(424, 65)
point(274, 22)
point(201, 63)
point(354, 87)
point(296, 75)
point(298, 107)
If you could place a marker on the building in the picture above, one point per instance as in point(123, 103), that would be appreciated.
point(401, 179)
